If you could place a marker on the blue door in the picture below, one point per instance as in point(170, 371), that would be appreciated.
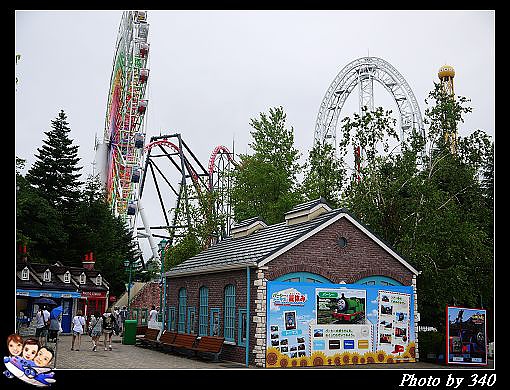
point(67, 306)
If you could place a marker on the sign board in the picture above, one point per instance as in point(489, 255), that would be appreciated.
point(466, 335)
point(95, 294)
point(338, 324)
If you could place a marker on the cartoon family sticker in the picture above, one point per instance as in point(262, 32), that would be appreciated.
point(28, 361)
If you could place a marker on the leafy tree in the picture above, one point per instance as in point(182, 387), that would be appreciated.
point(324, 174)
point(370, 131)
point(433, 209)
point(204, 227)
point(266, 185)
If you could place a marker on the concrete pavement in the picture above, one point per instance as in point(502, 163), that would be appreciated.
point(134, 357)
point(125, 357)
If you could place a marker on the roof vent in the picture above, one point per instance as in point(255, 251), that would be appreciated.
point(247, 227)
point(307, 211)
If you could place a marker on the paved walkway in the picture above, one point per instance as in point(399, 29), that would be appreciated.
point(125, 357)
point(134, 357)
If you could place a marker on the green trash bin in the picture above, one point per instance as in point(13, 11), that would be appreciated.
point(129, 336)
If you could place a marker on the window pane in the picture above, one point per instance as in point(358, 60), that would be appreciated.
point(230, 307)
point(171, 319)
point(242, 327)
point(203, 311)
point(182, 311)
point(215, 322)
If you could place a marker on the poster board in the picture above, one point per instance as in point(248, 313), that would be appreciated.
point(466, 335)
point(310, 324)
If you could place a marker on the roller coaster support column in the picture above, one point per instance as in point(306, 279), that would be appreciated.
point(148, 233)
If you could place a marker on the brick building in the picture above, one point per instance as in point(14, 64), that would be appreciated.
point(208, 293)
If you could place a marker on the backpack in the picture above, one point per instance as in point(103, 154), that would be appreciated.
point(109, 322)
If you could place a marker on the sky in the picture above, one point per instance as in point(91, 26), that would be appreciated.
point(212, 71)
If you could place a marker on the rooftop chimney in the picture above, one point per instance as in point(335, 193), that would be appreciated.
point(23, 252)
point(307, 211)
point(89, 261)
point(247, 227)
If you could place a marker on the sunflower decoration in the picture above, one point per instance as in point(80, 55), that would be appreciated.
point(293, 362)
point(272, 355)
point(337, 359)
point(380, 356)
point(345, 358)
point(389, 359)
point(318, 359)
point(370, 357)
point(303, 361)
point(406, 357)
point(411, 349)
point(284, 361)
point(355, 358)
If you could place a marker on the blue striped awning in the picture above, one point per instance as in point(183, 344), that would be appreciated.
point(47, 294)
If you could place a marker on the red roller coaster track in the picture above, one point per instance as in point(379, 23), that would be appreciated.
point(218, 149)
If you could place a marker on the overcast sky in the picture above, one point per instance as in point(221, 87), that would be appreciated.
point(211, 71)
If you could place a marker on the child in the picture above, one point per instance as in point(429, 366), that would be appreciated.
point(30, 348)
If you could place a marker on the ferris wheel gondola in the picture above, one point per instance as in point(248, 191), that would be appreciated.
point(120, 155)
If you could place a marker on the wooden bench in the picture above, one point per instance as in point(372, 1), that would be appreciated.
point(167, 338)
point(183, 340)
point(209, 344)
point(140, 330)
point(150, 338)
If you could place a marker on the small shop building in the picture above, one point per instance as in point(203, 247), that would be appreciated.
point(223, 290)
point(73, 288)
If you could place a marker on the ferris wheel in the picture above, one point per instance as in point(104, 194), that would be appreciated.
point(119, 156)
point(359, 75)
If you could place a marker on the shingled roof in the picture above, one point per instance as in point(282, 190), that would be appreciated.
point(265, 244)
point(249, 250)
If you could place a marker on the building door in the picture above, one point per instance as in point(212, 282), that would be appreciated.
point(67, 312)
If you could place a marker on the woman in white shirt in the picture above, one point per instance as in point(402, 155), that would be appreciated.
point(78, 326)
point(153, 317)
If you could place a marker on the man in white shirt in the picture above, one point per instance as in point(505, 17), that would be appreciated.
point(41, 326)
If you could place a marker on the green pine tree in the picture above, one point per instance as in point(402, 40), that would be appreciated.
point(55, 173)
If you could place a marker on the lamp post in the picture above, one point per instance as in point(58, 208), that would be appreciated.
point(128, 263)
point(162, 296)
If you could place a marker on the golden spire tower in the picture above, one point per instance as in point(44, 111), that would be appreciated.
point(446, 74)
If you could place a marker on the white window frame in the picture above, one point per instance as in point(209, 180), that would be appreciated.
point(67, 277)
point(99, 280)
point(25, 274)
point(83, 278)
point(47, 275)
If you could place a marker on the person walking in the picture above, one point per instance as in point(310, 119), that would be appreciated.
point(96, 329)
point(54, 328)
point(109, 325)
point(116, 315)
point(42, 318)
point(78, 326)
point(153, 318)
point(123, 317)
